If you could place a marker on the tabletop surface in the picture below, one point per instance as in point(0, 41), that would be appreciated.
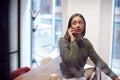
point(43, 72)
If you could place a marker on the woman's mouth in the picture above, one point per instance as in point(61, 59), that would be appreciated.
point(78, 30)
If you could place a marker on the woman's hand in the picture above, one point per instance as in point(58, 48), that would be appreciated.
point(116, 78)
point(71, 33)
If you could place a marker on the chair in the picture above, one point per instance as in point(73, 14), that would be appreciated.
point(19, 72)
point(92, 73)
point(45, 60)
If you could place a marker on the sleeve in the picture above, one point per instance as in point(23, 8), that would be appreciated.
point(68, 51)
point(99, 62)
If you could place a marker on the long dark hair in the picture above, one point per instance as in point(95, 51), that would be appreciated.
point(67, 37)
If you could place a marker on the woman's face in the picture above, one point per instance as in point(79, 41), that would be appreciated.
point(77, 24)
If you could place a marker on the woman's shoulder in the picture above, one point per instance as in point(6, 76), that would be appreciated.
point(87, 41)
point(62, 39)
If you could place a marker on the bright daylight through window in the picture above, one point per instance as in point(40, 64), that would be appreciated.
point(46, 28)
point(115, 64)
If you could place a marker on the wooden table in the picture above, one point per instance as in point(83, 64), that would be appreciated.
point(44, 71)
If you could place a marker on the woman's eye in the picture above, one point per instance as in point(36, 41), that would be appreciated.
point(74, 23)
point(80, 22)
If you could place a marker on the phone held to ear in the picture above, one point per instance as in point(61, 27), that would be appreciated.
point(74, 34)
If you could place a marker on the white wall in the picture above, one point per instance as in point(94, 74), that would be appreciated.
point(25, 33)
point(105, 31)
point(98, 15)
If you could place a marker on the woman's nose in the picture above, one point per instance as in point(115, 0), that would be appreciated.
point(78, 25)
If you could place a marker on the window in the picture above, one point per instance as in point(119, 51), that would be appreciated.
point(46, 28)
point(116, 39)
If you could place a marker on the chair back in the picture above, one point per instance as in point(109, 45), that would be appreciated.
point(45, 60)
point(19, 72)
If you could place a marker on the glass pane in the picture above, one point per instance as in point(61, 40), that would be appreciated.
point(46, 6)
point(46, 26)
point(116, 39)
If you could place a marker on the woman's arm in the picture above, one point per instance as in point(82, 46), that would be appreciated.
point(116, 78)
point(68, 51)
point(100, 63)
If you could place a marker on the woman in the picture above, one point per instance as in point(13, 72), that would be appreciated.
point(75, 49)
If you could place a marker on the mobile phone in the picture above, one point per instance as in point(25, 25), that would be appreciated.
point(74, 34)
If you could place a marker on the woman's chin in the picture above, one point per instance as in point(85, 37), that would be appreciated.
point(78, 32)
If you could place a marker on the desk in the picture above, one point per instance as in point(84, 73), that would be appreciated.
point(43, 72)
